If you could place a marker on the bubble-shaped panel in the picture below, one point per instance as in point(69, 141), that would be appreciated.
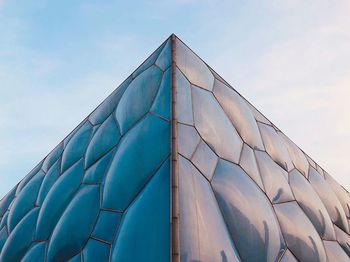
point(213, 125)
point(249, 216)
point(199, 211)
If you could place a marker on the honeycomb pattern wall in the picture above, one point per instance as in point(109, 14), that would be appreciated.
point(104, 191)
point(246, 192)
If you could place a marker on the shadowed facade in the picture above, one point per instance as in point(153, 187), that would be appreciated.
point(175, 165)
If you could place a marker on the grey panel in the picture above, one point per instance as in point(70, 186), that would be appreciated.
point(329, 199)
point(248, 214)
point(275, 179)
point(214, 126)
point(203, 233)
point(188, 140)
point(183, 109)
point(248, 163)
point(334, 252)
point(239, 113)
point(343, 239)
point(288, 257)
point(205, 160)
point(275, 146)
point(298, 158)
point(300, 235)
point(193, 67)
point(340, 192)
point(311, 205)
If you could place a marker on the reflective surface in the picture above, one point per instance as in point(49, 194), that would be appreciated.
point(246, 192)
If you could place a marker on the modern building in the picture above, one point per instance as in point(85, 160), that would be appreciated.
point(175, 165)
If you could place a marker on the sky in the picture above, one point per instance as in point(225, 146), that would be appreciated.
point(60, 59)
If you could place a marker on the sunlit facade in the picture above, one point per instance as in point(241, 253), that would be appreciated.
point(175, 165)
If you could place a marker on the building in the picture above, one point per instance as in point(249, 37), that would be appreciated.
point(176, 165)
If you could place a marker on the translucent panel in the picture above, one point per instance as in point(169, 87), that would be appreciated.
point(329, 199)
point(6, 200)
point(96, 251)
point(214, 126)
point(106, 225)
point(300, 235)
point(203, 233)
point(298, 158)
point(258, 116)
point(275, 146)
point(275, 179)
point(183, 109)
point(56, 201)
point(97, 171)
point(77, 258)
point(334, 252)
point(3, 237)
point(49, 179)
point(161, 105)
point(20, 238)
point(109, 104)
point(76, 146)
point(164, 58)
point(340, 192)
point(25, 180)
point(139, 154)
point(148, 62)
point(193, 67)
point(187, 141)
point(76, 222)
point(52, 157)
point(311, 162)
point(144, 233)
point(343, 239)
point(248, 163)
point(24, 201)
point(3, 220)
point(106, 137)
point(239, 113)
point(288, 257)
point(249, 216)
point(36, 253)
point(137, 98)
point(311, 205)
point(205, 160)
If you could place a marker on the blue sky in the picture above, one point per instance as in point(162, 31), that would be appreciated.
point(60, 59)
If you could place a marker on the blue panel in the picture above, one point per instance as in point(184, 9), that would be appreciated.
point(164, 59)
point(36, 253)
point(24, 201)
point(106, 225)
point(57, 200)
point(97, 171)
point(20, 239)
point(148, 62)
point(161, 104)
point(140, 152)
point(4, 219)
point(3, 237)
point(76, 258)
point(25, 180)
point(144, 233)
point(96, 251)
point(138, 98)
point(52, 157)
point(76, 224)
point(49, 179)
point(108, 105)
point(76, 146)
point(248, 214)
point(6, 200)
point(105, 138)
